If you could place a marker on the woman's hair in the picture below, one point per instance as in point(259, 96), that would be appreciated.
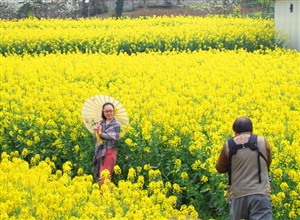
point(105, 104)
point(242, 124)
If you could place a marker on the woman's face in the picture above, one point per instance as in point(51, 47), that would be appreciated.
point(108, 111)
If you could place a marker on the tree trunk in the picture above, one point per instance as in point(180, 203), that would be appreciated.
point(84, 12)
point(119, 8)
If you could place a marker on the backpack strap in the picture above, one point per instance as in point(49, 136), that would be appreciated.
point(259, 154)
point(232, 151)
point(252, 144)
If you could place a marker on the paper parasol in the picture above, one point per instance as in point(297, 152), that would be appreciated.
point(92, 107)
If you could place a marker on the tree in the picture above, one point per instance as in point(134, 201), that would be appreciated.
point(119, 8)
point(84, 11)
point(9, 10)
point(71, 8)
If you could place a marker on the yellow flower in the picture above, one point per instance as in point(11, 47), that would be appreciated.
point(204, 179)
point(184, 175)
point(177, 163)
point(196, 165)
point(139, 169)
point(54, 158)
point(277, 174)
point(293, 175)
point(35, 160)
point(131, 174)
point(147, 167)
point(117, 170)
point(25, 152)
point(67, 167)
point(176, 188)
point(281, 196)
point(292, 214)
point(76, 149)
point(294, 194)
point(80, 171)
point(284, 186)
point(147, 149)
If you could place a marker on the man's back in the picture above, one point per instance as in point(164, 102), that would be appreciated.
point(247, 166)
point(245, 169)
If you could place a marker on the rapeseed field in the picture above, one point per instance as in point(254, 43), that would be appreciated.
point(182, 80)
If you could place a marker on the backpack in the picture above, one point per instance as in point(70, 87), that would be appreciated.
point(252, 144)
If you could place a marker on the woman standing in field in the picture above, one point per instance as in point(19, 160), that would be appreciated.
point(106, 135)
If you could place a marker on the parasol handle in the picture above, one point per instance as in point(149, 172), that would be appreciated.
point(99, 140)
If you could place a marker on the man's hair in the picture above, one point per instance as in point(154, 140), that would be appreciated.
point(242, 124)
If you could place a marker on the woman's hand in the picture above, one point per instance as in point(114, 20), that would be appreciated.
point(98, 129)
